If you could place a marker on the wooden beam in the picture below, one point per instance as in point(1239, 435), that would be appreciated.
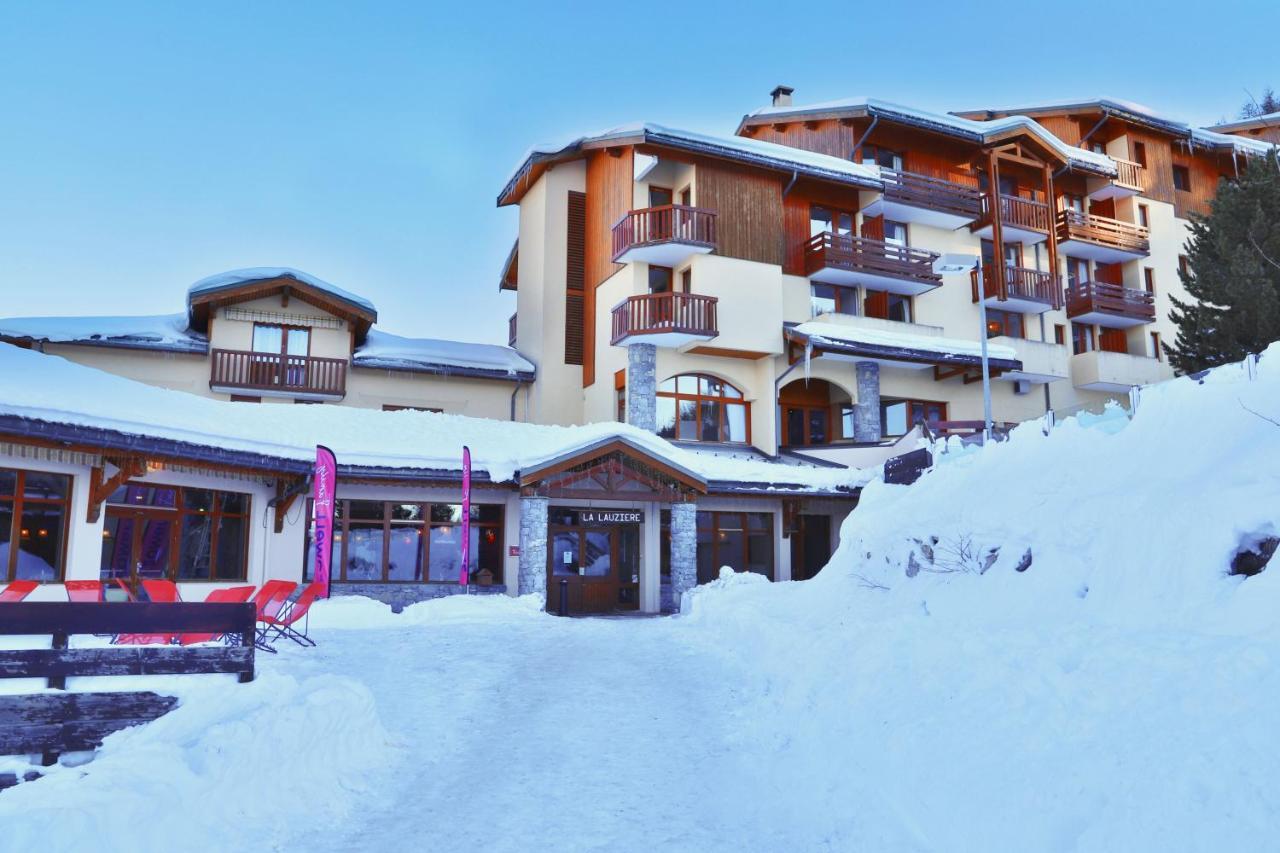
point(100, 489)
point(997, 230)
point(1055, 287)
point(940, 375)
point(286, 493)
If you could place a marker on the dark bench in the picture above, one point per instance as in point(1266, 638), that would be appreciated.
point(54, 723)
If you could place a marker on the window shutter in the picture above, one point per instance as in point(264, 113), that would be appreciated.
point(575, 277)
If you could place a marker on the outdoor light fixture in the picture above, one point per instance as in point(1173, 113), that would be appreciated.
point(950, 263)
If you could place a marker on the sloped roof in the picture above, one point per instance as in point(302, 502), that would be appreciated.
point(234, 278)
point(1268, 120)
point(429, 355)
point(161, 332)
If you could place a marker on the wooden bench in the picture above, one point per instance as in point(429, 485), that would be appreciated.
point(54, 723)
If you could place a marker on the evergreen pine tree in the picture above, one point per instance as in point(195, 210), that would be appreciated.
point(1233, 276)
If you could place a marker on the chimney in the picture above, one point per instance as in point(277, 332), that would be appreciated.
point(781, 96)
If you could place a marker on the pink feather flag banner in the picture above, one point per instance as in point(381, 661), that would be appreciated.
point(324, 483)
point(466, 516)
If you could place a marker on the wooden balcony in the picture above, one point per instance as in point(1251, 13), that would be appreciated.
point(1098, 238)
point(1127, 182)
point(276, 375)
point(1110, 305)
point(664, 319)
point(665, 235)
point(847, 259)
point(1026, 291)
point(1022, 220)
point(927, 200)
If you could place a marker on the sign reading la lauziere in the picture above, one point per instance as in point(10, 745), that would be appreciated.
point(598, 517)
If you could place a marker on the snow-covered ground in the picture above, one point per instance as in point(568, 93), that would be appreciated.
point(1116, 694)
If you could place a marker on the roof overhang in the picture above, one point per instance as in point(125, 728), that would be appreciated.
point(532, 475)
point(895, 355)
point(201, 305)
point(444, 369)
point(509, 279)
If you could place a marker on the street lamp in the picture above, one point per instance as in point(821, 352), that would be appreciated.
point(958, 263)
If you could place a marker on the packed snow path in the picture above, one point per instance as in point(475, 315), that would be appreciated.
point(581, 734)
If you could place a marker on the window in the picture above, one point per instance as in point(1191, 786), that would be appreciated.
point(846, 420)
point(806, 425)
point(393, 407)
point(895, 233)
point(832, 299)
point(824, 219)
point(874, 155)
point(1059, 334)
point(1012, 254)
point(285, 340)
point(898, 417)
point(1144, 216)
point(1006, 323)
point(388, 542)
point(34, 510)
point(1081, 338)
point(175, 533)
point(1184, 267)
point(659, 196)
point(743, 541)
point(686, 280)
point(1155, 346)
point(1140, 154)
point(1073, 202)
point(620, 395)
point(1077, 271)
point(686, 196)
point(659, 279)
point(1149, 279)
point(1097, 148)
point(1182, 178)
point(887, 306)
point(693, 407)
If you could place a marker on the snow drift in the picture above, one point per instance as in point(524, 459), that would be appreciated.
point(926, 694)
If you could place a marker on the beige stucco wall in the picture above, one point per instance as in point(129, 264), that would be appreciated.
point(232, 328)
point(178, 371)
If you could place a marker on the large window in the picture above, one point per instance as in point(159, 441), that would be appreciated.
point(898, 417)
point(34, 508)
point(823, 219)
point(1081, 338)
point(832, 299)
point(742, 541)
point(1006, 323)
point(694, 407)
point(386, 542)
point(175, 533)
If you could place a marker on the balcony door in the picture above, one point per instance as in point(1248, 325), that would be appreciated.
point(1012, 254)
point(823, 219)
point(1077, 272)
point(282, 354)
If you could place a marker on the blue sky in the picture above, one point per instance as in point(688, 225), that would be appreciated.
point(145, 146)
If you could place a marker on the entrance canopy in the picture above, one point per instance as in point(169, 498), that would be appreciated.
point(613, 468)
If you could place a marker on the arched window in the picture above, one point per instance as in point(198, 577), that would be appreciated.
point(694, 407)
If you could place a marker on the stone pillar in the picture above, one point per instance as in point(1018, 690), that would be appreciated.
point(642, 386)
point(866, 414)
point(684, 549)
point(533, 546)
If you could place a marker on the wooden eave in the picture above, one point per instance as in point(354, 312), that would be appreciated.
point(534, 475)
point(510, 279)
point(201, 305)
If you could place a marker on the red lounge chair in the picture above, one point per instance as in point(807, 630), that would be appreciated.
point(16, 591)
point(123, 587)
point(233, 594)
point(85, 592)
point(161, 592)
point(281, 624)
point(270, 600)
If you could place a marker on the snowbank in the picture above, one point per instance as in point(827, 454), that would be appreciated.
point(233, 767)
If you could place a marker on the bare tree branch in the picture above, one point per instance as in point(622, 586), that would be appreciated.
point(1264, 255)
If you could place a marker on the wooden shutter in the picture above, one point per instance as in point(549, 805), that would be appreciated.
point(575, 277)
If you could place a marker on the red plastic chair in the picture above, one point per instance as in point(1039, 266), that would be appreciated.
point(85, 592)
point(281, 624)
point(161, 591)
point(233, 594)
point(16, 591)
point(271, 600)
point(123, 587)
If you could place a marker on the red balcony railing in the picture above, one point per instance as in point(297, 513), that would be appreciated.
point(665, 313)
point(1096, 297)
point(1020, 213)
point(916, 190)
point(1102, 231)
point(875, 257)
point(670, 223)
point(261, 371)
point(1021, 283)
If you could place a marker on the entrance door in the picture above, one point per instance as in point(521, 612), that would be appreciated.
point(136, 545)
point(810, 546)
point(586, 560)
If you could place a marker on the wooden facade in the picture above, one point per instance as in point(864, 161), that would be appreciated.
point(610, 190)
point(748, 206)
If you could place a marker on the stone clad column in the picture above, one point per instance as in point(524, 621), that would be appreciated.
point(684, 549)
point(642, 386)
point(866, 414)
point(533, 546)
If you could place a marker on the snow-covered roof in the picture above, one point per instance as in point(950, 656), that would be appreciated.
point(235, 278)
point(47, 390)
point(769, 154)
point(978, 131)
point(167, 332)
point(428, 355)
point(1267, 120)
point(819, 332)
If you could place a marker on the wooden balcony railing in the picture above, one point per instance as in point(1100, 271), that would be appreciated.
point(1021, 283)
point(665, 313)
point(862, 254)
point(262, 371)
point(1129, 174)
point(1112, 233)
point(933, 193)
point(1095, 296)
point(511, 330)
point(1020, 213)
point(670, 223)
